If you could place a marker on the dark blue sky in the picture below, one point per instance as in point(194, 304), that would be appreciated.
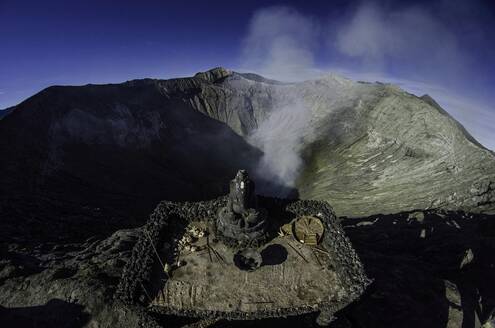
point(74, 42)
point(447, 44)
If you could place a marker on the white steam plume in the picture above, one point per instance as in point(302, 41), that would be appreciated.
point(371, 43)
point(281, 44)
point(280, 137)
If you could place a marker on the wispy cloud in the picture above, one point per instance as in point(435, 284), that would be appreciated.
point(411, 38)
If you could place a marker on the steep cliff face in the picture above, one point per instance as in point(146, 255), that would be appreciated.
point(365, 148)
point(116, 149)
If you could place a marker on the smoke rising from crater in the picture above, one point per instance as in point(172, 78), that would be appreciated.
point(280, 137)
point(280, 44)
point(411, 46)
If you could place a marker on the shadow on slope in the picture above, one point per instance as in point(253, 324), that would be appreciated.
point(430, 269)
point(55, 313)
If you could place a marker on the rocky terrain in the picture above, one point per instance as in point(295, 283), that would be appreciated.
point(366, 148)
point(429, 269)
point(82, 168)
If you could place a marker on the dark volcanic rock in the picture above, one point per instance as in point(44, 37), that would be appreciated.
point(241, 220)
point(45, 316)
point(248, 259)
point(421, 275)
point(5, 112)
point(112, 149)
point(415, 267)
point(65, 285)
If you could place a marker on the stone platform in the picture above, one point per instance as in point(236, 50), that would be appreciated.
point(217, 288)
point(292, 276)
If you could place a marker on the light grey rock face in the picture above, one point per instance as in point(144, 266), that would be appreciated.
point(405, 155)
point(365, 148)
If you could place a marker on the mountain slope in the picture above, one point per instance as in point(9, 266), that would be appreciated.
point(79, 163)
point(407, 155)
point(118, 149)
point(5, 112)
point(366, 148)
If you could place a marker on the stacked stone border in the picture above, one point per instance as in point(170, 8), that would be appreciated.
point(167, 222)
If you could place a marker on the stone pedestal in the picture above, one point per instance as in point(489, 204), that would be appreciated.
point(241, 219)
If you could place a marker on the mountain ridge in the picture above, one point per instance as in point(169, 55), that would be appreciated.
point(82, 168)
point(345, 124)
